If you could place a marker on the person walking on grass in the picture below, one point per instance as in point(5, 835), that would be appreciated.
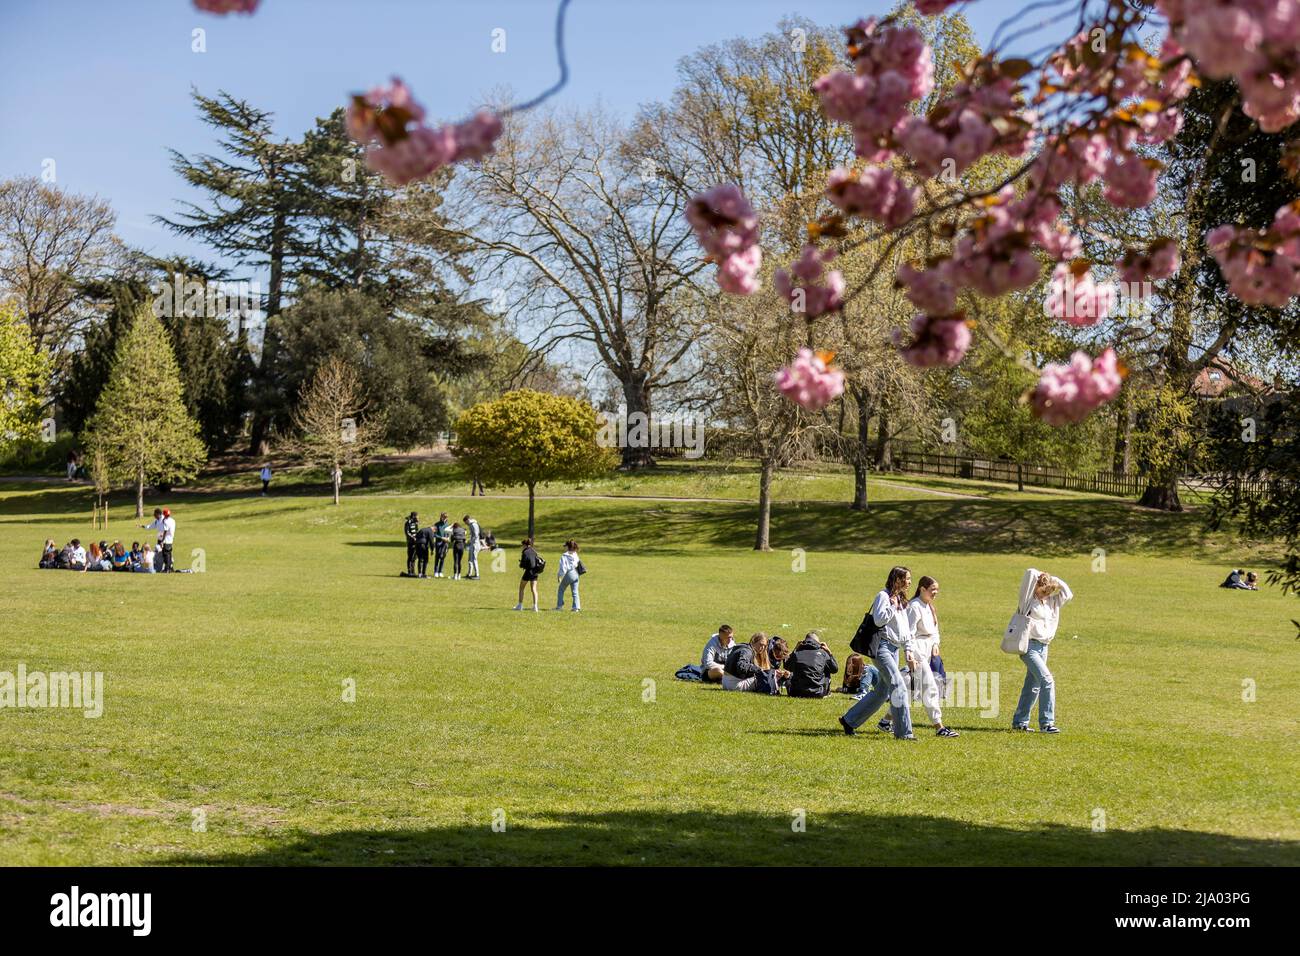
point(533, 565)
point(441, 539)
point(474, 546)
point(266, 478)
point(1041, 598)
point(570, 570)
point(893, 631)
point(458, 539)
point(411, 528)
point(925, 642)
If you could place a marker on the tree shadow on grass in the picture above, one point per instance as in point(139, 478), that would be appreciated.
point(652, 837)
point(940, 526)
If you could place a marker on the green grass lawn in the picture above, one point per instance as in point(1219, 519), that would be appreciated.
point(223, 690)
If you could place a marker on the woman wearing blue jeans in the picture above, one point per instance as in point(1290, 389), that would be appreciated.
point(1041, 599)
point(889, 611)
point(568, 576)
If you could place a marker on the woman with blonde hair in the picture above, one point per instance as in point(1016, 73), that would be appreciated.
point(748, 666)
point(1032, 628)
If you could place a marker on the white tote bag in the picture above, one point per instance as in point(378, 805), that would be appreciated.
point(1015, 640)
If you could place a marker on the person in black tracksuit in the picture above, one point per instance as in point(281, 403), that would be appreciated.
point(423, 544)
point(412, 529)
point(811, 666)
point(458, 540)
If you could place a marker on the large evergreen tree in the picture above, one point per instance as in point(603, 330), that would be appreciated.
point(140, 425)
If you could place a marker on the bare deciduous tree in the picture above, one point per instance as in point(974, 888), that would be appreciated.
point(329, 431)
point(51, 243)
point(591, 245)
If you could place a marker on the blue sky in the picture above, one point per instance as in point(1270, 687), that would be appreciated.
point(102, 86)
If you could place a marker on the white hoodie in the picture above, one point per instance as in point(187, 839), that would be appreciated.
point(895, 621)
point(925, 626)
point(1043, 615)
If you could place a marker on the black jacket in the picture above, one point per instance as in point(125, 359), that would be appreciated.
point(810, 669)
point(740, 662)
point(412, 528)
point(424, 539)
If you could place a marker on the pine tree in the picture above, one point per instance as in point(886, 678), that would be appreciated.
point(140, 424)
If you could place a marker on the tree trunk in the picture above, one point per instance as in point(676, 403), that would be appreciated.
point(1123, 427)
point(861, 464)
point(259, 443)
point(1020, 476)
point(139, 494)
point(1162, 492)
point(764, 504)
point(636, 394)
point(365, 475)
point(884, 454)
point(532, 523)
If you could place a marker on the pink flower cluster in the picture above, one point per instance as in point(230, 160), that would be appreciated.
point(810, 381)
point(1077, 298)
point(809, 288)
point(973, 121)
point(403, 148)
point(727, 227)
point(937, 340)
point(1161, 260)
point(892, 67)
point(1070, 393)
point(1261, 268)
point(1256, 42)
point(875, 193)
point(222, 7)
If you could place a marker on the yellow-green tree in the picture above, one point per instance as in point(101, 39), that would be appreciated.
point(140, 425)
point(531, 438)
point(24, 373)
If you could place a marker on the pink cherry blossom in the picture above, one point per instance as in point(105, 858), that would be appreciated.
point(930, 290)
point(810, 289)
point(809, 381)
point(937, 341)
point(1077, 298)
point(875, 193)
point(727, 227)
point(222, 7)
point(1261, 267)
point(390, 121)
point(1161, 260)
point(1070, 393)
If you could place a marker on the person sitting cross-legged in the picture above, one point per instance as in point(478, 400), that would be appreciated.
point(713, 660)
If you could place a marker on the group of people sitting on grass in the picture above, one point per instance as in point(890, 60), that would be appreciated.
point(1240, 580)
point(98, 556)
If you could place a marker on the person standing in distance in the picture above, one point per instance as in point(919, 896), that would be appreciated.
point(475, 543)
point(165, 525)
point(411, 528)
point(266, 478)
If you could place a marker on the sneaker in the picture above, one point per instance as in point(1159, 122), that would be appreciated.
point(908, 737)
point(886, 724)
point(534, 608)
point(1051, 729)
point(560, 608)
point(848, 729)
point(946, 732)
point(424, 577)
point(1024, 727)
point(519, 607)
point(576, 610)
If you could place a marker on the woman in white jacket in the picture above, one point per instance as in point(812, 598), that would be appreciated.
point(925, 644)
point(568, 575)
point(889, 612)
point(1041, 599)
